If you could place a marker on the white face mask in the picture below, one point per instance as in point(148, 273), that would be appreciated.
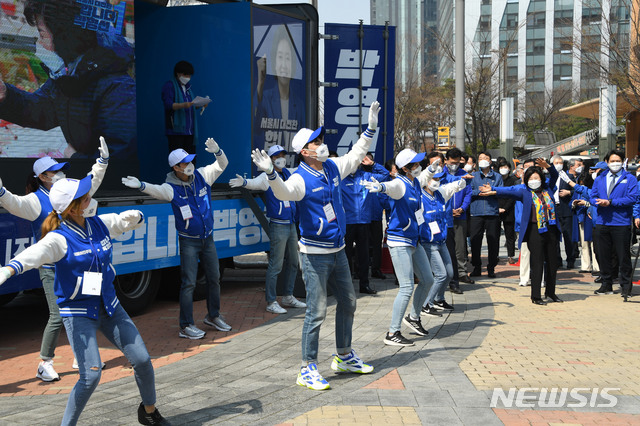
point(189, 169)
point(434, 185)
point(504, 171)
point(484, 164)
point(184, 80)
point(322, 153)
point(280, 162)
point(453, 167)
point(53, 62)
point(416, 172)
point(91, 209)
point(534, 184)
point(438, 169)
point(468, 168)
point(558, 166)
point(579, 169)
point(615, 166)
point(594, 175)
point(58, 176)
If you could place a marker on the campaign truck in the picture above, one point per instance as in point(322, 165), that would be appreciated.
point(63, 95)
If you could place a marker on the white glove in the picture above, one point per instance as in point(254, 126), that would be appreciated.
point(5, 274)
point(563, 176)
point(131, 216)
point(434, 166)
point(624, 165)
point(462, 183)
point(374, 109)
point(237, 181)
point(132, 182)
point(373, 185)
point(0, 183)
point(262, 160)
point(212, 146)
point(103, 149)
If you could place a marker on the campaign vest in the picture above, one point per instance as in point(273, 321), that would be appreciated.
point(196, 195)
point(282, 212)
point(435, 210)
point(45, 209)
point(403, 225)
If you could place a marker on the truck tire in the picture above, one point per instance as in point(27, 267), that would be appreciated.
point(6, 298)
point(136, 291)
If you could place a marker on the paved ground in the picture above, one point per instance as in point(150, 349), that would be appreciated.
point(494, 339)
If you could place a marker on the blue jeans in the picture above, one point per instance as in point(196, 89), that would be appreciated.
point(442, 268)
point(284, 245)
point(317, 269)
point(123, 334)
point(192, 249)
point(408, 260)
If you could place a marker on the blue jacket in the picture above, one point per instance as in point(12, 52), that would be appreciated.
point(636, 206)
point(623, 197)
point(403, 226)
point(517, 209)
point(358, 202)
point(581, 215)
point(168, 96)
point(435, 210)
point(321, 189)
point(197, 195)
point(460, 199)
point(379, 203)
point(282, 212)
point(484, 205)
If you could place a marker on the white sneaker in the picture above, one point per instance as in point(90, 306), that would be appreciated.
point(217, 322)
point(191, 332)
point(75, 364)
point(274, 308)
point(292, 302)
point(46, 372)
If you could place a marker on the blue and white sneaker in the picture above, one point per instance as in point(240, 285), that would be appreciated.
point(311, 378)
point(352, 364)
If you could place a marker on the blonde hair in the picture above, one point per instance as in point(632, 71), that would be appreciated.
point(52, 221)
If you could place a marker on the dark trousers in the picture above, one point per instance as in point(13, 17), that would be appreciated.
point(375, 231)
point(451, 247)
point(509, 226)
point(615, 239)
point(566, 223)
point(543, 248)
point(477, 227)
point(181, 141)
point(358, 233)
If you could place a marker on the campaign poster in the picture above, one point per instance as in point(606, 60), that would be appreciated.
point(279, 86)
point(66, 78)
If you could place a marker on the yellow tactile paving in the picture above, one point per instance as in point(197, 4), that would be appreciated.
point(357, 415)
point(588, 341)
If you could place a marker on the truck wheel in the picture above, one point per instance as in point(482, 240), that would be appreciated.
point(6, 298)
point(136, 291)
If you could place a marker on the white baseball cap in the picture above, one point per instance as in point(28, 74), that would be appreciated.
point(47, 164)
point(275, 150)
point(304, 136)
point(64, 191)
point(178, 156)
point(407, 156)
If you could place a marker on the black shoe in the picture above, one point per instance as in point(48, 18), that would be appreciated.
point(584, 271)
point(598, 279)
point(491, 273)
point(367, 290)
point(430, 310)
point(151, 419)
point(378, 274)
point(397, 339)
point(466, 279)
point(442, 306)
point(571, 265)
point(555, 299)
point(477, 271)
point(456, 290)
point(601, 291)
point(415, 325)
point(538, 302)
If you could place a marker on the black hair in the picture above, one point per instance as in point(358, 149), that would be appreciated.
point(503, 162)
point(529, 160)
point(183, 67)
point(472, 158)
point(370, 155)
point(484, 153)
point(453, 153)
point(533, 170)
point(615, 152)
point(69, 39)
point(434, 154)
point(585, 178)
point(33, 183)
point(389, 165)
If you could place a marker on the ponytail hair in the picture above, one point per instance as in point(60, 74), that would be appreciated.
point(52, 221)
point(33, 183)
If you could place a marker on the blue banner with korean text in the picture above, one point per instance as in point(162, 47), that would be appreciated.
point(342, 104)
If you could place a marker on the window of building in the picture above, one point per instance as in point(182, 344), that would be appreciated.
point(536, 19)
point(563, 18)
point(535, 73)
point(535, 46)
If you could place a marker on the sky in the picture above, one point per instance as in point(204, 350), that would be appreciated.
point(335, 11)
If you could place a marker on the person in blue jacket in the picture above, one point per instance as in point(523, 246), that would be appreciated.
point(433, 237)
point(189, 191)
point(358, 206)
point(539, 226)
point(79, 245)
point(614, 194)
point(376, 228)
point(180, 118)
point(283, 234)
point(35, 207)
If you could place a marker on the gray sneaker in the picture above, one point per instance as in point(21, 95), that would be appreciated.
point(292, 302)
point(217, 322)
point(191, 332)
point(275, 308)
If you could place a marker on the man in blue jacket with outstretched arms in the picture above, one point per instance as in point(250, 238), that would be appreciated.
point(315, 186)
point(614, 194)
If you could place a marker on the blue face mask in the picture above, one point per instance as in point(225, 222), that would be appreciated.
point(54, 63)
